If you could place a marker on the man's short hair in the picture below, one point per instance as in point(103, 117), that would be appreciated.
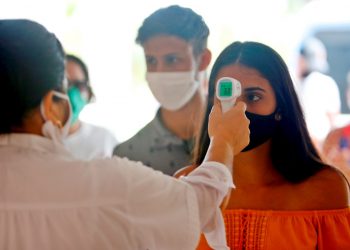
point(175, 21)
point(315, 54)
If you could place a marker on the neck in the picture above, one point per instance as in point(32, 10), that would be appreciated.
point(184, 123)
point(254, 168)
point(32, 124)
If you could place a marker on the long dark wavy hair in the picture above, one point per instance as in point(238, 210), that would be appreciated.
point(292, 151)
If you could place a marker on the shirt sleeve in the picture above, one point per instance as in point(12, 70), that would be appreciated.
point(211, 182)
point(162, 211)
point(169, 213)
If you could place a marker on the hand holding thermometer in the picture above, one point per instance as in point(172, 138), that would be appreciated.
point(227, 91)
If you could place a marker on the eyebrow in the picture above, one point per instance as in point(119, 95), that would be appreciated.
point(254, 89)
point(172, 54)
point(168, 53)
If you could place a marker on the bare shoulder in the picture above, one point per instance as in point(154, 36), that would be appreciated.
point(327, 189)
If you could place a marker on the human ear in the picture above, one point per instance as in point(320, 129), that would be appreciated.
point(50, 110)
point(205, 59)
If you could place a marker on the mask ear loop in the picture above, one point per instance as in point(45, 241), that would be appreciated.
point(65, 97)
point(56, 122)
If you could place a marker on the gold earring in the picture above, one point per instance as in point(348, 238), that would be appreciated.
point(58, 123)
point(278, 117)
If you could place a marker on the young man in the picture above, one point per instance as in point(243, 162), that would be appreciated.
point(174, 40)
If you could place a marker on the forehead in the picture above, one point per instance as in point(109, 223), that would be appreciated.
point(164, 44)
point(248, 77)
point(74, 71)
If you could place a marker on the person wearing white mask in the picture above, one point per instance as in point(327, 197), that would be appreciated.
point(174, 40)
point(50, 200)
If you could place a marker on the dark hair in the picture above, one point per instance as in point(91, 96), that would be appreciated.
point(84, 68)
point(314, 52)
point(292, 152)
point(176, 21)
point(31, 64)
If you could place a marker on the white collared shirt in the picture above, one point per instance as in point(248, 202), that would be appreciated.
point(48, 201)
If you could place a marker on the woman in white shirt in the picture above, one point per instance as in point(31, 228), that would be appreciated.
point(49, 200)
point(85, 141)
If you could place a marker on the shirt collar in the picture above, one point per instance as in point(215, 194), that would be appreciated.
point(32, 141)
point(159, 125)
point(167, 136)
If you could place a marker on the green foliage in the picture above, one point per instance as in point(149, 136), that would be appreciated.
point(71, 7)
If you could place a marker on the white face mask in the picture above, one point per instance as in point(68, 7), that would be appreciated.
point(172, 89)
point(52, 131)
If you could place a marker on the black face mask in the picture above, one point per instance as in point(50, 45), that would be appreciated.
point(262, 128)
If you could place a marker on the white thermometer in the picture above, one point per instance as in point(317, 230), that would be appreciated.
point(227, 91)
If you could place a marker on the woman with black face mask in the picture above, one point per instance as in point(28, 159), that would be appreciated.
point(285, 196)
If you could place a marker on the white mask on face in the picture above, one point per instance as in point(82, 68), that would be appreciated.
point(52, 131)
point(172, 89)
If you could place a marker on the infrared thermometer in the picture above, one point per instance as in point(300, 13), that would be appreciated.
point(227, 91)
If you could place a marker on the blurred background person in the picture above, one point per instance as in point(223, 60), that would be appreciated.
point(336, 147)
point(318, 92)
point(85, 141)
point(174, 40)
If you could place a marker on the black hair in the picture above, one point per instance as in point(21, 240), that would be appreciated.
point(31, 64)
point(84, 68)
point(292, 151)
point(176, 21)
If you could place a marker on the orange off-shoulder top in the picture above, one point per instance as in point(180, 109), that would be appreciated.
point(286, 230)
